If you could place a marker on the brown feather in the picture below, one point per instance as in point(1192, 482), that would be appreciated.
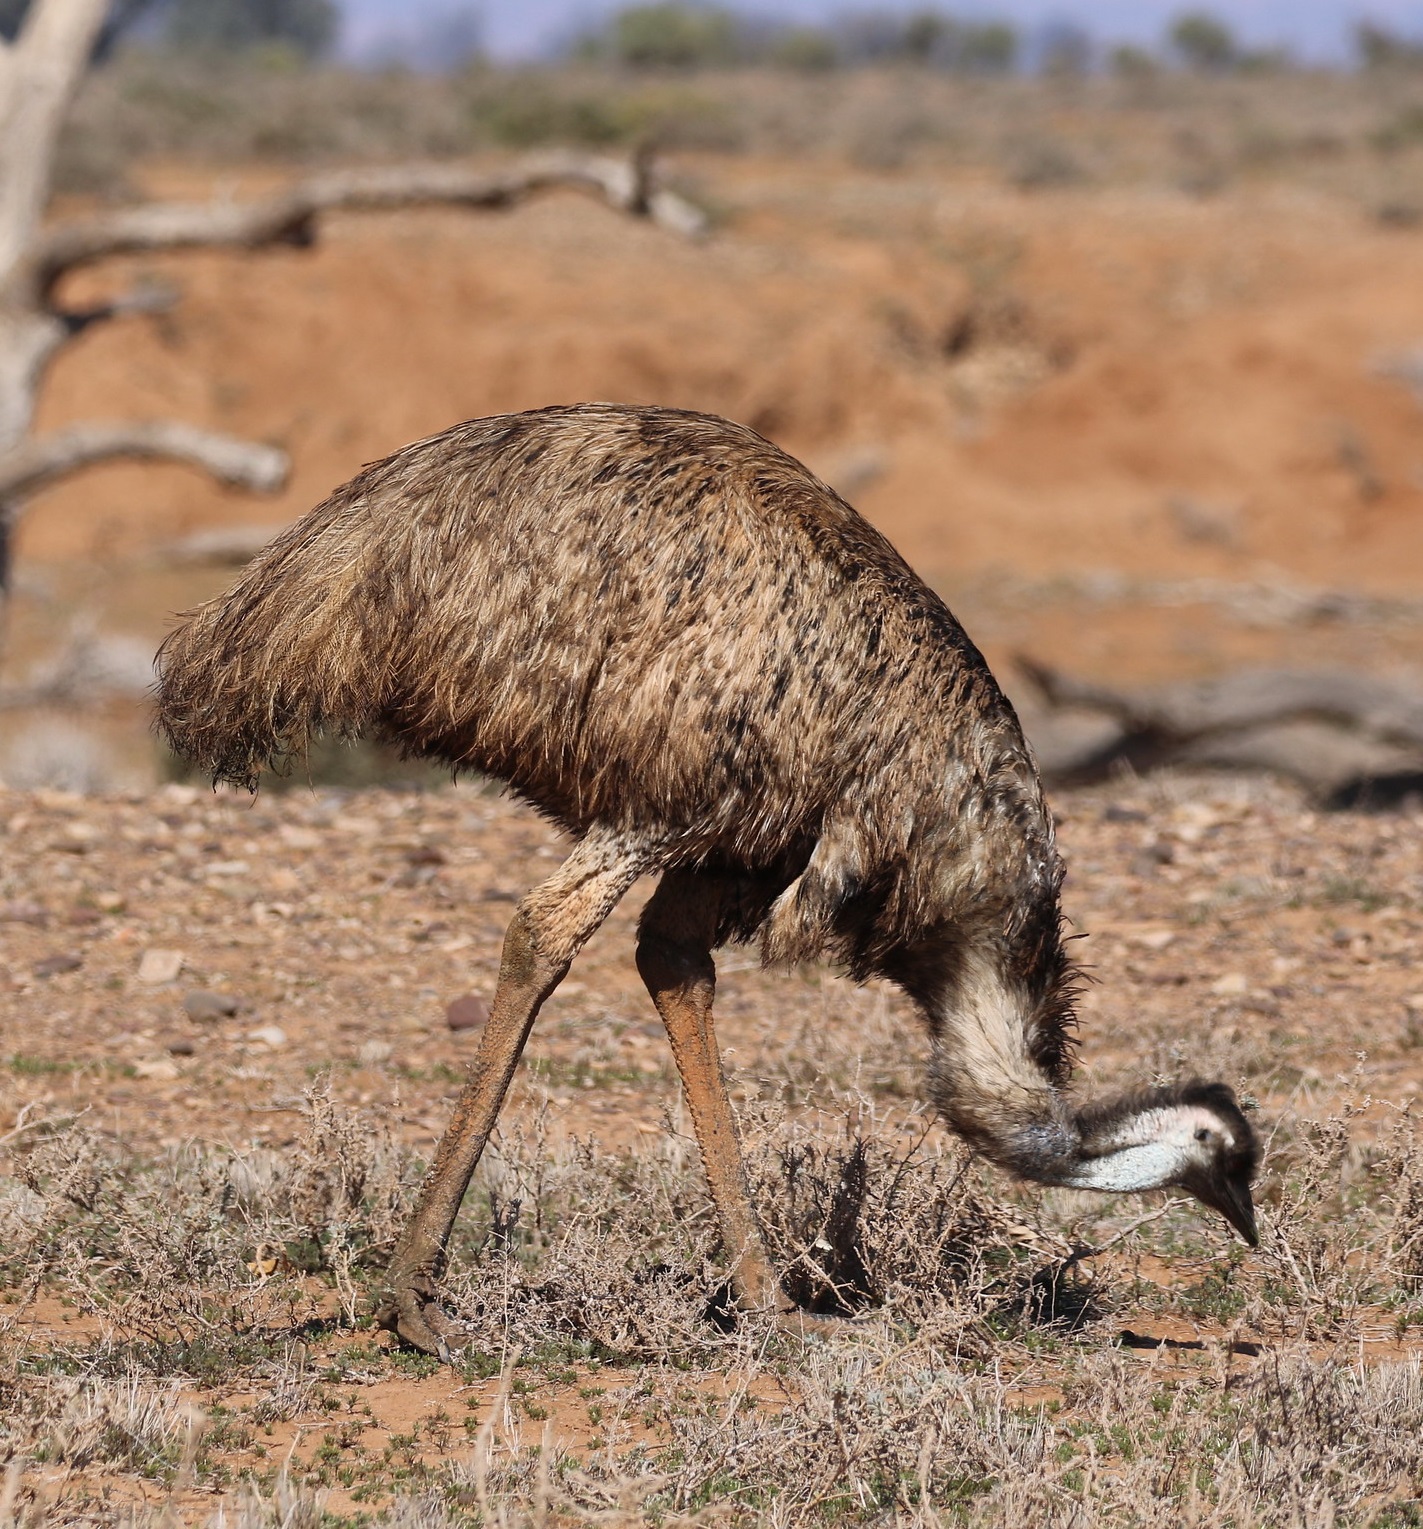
point(659, 622)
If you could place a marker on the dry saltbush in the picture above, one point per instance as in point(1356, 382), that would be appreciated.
point(620, 1249)
point(609, 1248)
point(1326, 1257)
point(1397, 1171)
point(183, 1250)
point(78, 1422)
point(871, 1214)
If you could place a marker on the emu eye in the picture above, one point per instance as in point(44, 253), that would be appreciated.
point(1203, 1134)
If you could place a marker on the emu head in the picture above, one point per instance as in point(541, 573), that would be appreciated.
point(1192, 1136)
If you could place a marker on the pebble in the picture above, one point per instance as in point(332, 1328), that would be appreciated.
point(227, 868)
point(269, 1035)
point(160, 1069)
point(374, 1052)
point(23, 913)
point(200, 1004)
point(180, 1045)
point(467, 1013)
point(52, 966)
point(77, 838)
point(1230, 983)
point(155, 966)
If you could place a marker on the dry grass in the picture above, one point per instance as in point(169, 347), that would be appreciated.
point(184, 1337)
point(984, 1379)
point(1355, 134)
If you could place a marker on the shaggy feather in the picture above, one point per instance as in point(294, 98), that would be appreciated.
point(658, 625)
point(656, 621)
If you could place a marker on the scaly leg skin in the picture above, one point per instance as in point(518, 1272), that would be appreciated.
point(551, 925)
point(675, 939)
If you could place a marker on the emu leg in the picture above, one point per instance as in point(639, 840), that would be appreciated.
point(551, 925)
point(674, 945)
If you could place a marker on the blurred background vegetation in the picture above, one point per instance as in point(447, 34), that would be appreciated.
point(264, 79)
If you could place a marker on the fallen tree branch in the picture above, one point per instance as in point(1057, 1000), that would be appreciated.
point(1246, 698)
point(34, 464)
point(146, 297)
point(1352, 739)
point(289, 217)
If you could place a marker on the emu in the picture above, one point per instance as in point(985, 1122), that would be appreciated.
point(668, 636)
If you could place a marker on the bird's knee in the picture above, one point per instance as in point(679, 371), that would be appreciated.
point(663, 961)
point(531, 956)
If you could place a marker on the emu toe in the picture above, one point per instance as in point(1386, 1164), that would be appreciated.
point(797, 1323)
point(415, 1317)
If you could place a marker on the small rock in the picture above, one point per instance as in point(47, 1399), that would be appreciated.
point(1148, 861)
point(111, 902)
point(82, 918)
point(160, 1069)
point(180, 1045)
point(1414, 1003)
point(372, 1053)
point(426, 854)
point(1114, 812)
point(467, 1013)
point(1232, 984)
point(23, 913)
point(52, 966)
point(202, 1005)
point(78, 838)
point(157, 966)
point(269, 1035)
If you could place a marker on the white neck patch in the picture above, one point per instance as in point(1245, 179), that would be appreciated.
point(1152, 1149)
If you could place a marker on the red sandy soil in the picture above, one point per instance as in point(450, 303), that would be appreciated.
point(1002, 381)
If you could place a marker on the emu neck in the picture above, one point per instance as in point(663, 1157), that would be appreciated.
point(1152, 1165)
point(1142, 1150)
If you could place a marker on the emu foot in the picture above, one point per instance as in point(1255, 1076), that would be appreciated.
point(798, 1323)
point(414, 1315)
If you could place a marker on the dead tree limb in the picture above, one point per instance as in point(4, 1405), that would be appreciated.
point(289, 217)
point(1348, 736)
point(1194, 709)
point(35, 464)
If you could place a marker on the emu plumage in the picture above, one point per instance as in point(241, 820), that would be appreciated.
point(672, 639)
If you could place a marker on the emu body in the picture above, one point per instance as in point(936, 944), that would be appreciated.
point(673, 640)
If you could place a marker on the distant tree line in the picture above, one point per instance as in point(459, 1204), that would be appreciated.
point(685, 35)
point(305, 29)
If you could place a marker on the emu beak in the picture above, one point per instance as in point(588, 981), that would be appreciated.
point(1232, 1199)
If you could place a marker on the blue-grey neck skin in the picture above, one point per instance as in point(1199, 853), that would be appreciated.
point(993, 1089)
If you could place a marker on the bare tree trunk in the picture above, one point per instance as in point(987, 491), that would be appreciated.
point(39, 73)
point(41, 70)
